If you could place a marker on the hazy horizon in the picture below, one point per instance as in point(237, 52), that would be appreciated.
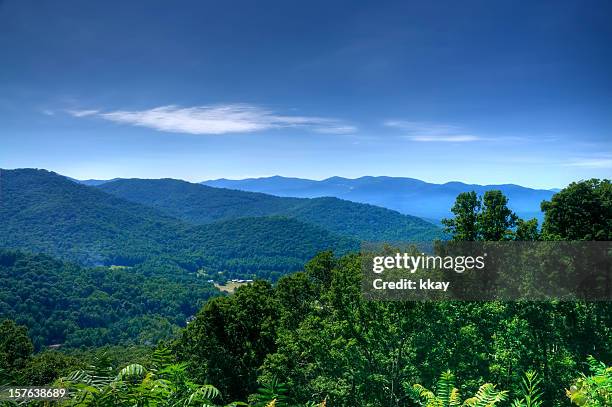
point(203, 180)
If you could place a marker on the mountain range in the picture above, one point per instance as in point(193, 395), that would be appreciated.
point(189, 226)
point(405, 195)
point(200, 204)
point(41, 211)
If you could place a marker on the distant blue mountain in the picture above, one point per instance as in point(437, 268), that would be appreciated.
point(405, 195)
point(93, 182)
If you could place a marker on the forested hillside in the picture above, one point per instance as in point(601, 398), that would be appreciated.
point(265, 247)
point(67, 305)
point(200, 204)
point(45, 212)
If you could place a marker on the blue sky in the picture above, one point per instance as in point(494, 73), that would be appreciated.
point(474, 91)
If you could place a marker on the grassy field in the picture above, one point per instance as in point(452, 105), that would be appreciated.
point(230, 286)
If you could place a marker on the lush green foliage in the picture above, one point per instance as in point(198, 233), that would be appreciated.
point(45, 212)
point(230, 338)
point(582, 211)
point(65, 304)
point(487, 218)
point(464, 225)
point(160, 381)
point(496, 220)
point(447, 395)
point(273, 392)
point(162, 384)
point(18, 365)
point(44, 367)
point(15, 346)
point(328, 343)
point(200, 204)
point(530, 389)
point(527, 230)
point(594, 390)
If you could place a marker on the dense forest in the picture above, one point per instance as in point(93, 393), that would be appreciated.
point(200, 204)
point(310, 338)
point(45, 212)
point(64, 304)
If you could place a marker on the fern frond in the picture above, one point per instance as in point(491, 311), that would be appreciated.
point(161, 358)
point(86, 378)
point(203, 395)
point(455, 399)
point(486, 396)
point(445, 387)
point(596, 367)
point(421, 392)
point(209, 391)
point(132, 372)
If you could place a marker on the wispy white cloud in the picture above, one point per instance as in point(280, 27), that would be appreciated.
point(331, 128)
point(83, 113)
point(448, 138)
point(599, 162)
point(218, 119)
point(432, 132)
point(421, 126)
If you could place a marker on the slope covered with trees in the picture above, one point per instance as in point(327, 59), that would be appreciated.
point(45, 212)
point(199, 204)
point(64, 304)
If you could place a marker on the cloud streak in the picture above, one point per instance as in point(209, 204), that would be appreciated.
point(83, 113)
point(432, 132)
point(448, 139)
point(603, 162)
point(218, 119)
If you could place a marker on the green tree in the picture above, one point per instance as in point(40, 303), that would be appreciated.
point(527, 230)
point(319, 268)
point(581, 211)
point(15, 346)
point(43, 368)
point(485, 218)
point(230, 337)
point(464, 226)
point(296, 295)
point(495, 220)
